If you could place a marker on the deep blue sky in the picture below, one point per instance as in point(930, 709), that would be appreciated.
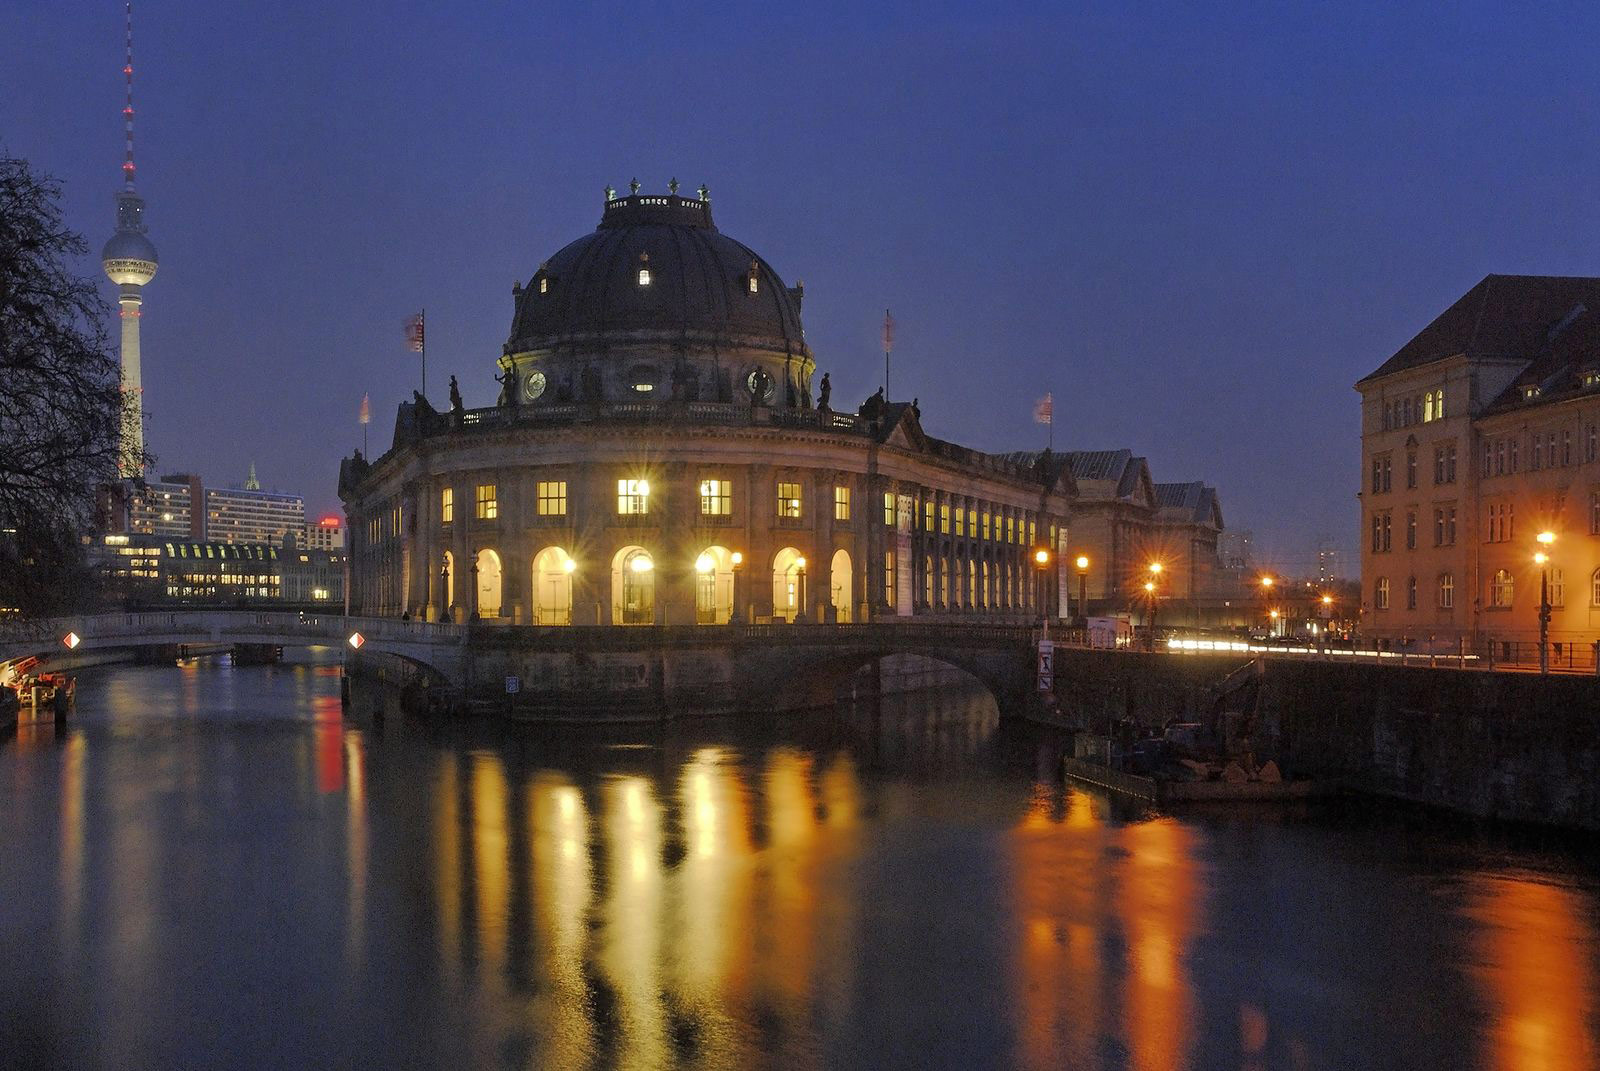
point(1197, 227)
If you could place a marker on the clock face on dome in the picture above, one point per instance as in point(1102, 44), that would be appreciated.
point(760, 386)
point(533, 385)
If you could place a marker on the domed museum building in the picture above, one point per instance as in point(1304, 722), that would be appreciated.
point(665, 451)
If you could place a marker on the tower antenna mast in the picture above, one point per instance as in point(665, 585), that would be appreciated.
point(129, 260)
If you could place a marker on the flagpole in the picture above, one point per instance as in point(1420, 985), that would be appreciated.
point(424, 317)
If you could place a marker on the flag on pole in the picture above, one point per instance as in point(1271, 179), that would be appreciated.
point(888, 331)
point(366, 409)
point(414, 333)
point(1044, 411)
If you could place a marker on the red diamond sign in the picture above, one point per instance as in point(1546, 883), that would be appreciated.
point(356, 640)
point(71, 639)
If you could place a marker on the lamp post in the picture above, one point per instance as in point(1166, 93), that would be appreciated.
point(736, 615)
point(800, 612)
point(1083, 588)
point(1151, 589)
point(1543, 561)
point(444, 590)
point(1041, 562)
point(1266, 597)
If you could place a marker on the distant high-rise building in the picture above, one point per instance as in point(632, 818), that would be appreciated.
point(129, 260)
point(236, 515)
point(168, 507)
point(1328, 559)
point(326, 534)
point(1234, 548)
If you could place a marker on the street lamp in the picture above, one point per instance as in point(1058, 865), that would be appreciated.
point(737, 613)
point(444, 589)
point(1266, 597)
point(1150, 589)
point(1041, 562)
point(1083, 588)
point(1543, 561)
point(800, 567)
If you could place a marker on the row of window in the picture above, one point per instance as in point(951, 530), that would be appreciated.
point(1502, 590)
point(1444, 468)
point(1548, 450)
point(1419, 409)
point(716, 500)
point(1444, 529)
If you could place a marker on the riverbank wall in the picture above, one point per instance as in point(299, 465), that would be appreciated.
point(1512, 746)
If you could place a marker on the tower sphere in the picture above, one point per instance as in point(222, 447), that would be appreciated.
point(129, 258)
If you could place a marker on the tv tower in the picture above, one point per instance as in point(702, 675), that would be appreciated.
point(129, 259)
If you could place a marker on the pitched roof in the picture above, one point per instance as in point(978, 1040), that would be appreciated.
point(1506, 316)
point(1193, 502)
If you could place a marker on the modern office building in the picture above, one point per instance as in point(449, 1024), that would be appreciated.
point(326, 534)
point(243, 515)
point(1477, 436)
point(665, 451)
point(166, 508)
point(143, 571)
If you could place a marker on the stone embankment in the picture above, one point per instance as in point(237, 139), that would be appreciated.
point(1512, 746)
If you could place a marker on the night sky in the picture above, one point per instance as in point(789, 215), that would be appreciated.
point(1196, 227)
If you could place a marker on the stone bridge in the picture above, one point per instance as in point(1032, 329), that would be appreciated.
point(653, 671)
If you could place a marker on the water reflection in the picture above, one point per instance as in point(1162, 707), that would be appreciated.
point(905, 884)
point(1537, 970)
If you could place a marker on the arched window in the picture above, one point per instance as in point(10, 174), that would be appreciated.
point(633, 587)
point(1594, 588)
point(488, 584)
point(552, 587)
point(788, 583)
point(1447, 591)
point(1380, 593)
point(1500, 589)
point(841, 586)
point(713, 586)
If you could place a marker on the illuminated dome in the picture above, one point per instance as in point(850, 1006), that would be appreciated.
point(129, 257)
point(658, 301)
point(699, 283)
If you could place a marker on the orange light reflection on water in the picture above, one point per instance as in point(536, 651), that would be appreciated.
point(1535, 952)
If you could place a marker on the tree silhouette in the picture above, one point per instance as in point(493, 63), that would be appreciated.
point(61, 404)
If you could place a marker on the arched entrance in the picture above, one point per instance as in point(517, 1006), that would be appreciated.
point(788, 583)
point(713, 586)
point(488, 584)
point(842, 585)
point(552, 587)
point(633, 587)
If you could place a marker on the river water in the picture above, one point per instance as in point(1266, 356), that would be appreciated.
point(216, 867)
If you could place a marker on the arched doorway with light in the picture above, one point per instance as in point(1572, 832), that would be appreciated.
point(788, 583)
point(633, 587)
point(842, 586)
point(552, 586)
point(488, 584)
point(713, 586)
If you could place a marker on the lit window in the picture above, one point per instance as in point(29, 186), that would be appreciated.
point(841, 503)
point(552, 498)
point(888, 508)
point(488, 506)
point(1500, 590)
point(754, 285)
point(789, 500)
point(544, 285)
point(986, 526)
point(716, 498)
point(944, 518)
point(447, 505)
point(633, 496)
point(961, 522)
point(888, 577)
point(644, 276)
point(1380, 593)
point(1594, 588)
